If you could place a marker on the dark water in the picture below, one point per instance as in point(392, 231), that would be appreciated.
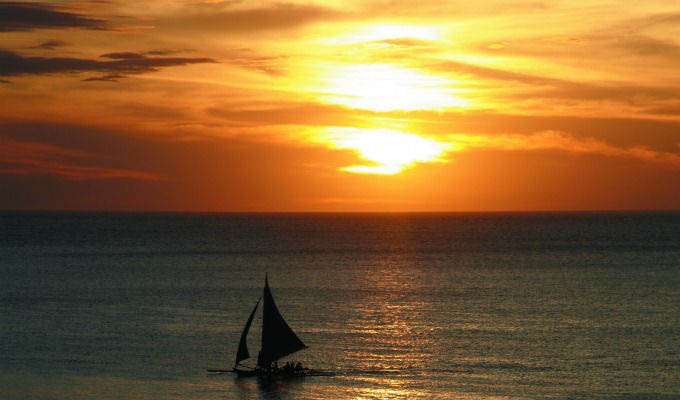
point(412, 306)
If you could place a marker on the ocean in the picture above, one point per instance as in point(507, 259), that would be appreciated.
point(397, 306)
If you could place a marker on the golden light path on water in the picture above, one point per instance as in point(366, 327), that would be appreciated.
point(390, 320)
point(389, 151)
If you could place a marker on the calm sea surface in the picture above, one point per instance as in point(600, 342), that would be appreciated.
point(398, 306)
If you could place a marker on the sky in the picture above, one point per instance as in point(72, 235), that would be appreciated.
point(395, 105)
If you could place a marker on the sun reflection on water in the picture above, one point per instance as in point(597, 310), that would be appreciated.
point(390, 319)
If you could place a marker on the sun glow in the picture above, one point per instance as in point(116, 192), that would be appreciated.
point(385, 87)
point(390, 151)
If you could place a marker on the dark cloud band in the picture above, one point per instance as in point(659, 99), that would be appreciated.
point(13, 64)
point(16, 16)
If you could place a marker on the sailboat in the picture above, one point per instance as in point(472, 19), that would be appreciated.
point(278, 341)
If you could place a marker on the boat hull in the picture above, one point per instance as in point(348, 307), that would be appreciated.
point(278, 374)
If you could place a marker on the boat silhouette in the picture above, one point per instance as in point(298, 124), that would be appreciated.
point(278, 341)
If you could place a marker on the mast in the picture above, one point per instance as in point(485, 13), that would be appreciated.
point(278, 340)
point(242, 352)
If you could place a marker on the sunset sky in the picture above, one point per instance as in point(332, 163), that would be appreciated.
point(425, 105)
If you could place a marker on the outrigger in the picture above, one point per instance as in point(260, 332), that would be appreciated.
point(278, 341)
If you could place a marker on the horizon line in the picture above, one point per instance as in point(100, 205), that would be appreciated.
point(538, 211)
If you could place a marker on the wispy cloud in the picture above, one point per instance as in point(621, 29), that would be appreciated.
point(553, 140)
point(74, 172)
point(534, 87)
point(649, 21)
point(493, 73)
point(223, 17)
point(288, 113)
point(405, 42)
point(30, 158)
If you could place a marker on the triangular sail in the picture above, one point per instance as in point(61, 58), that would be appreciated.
point(242, 353)
point(278, 340)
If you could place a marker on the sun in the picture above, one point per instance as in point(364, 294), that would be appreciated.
point(387, 87)
point(389, 151)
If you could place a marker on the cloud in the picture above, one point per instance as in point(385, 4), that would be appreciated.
point(15, 16)
point(73, 172)
point(249, 58)
point(405, 42)
point(127, 55)
point(460, 9)
point(649, 21)
point(50, 45)
point(553, 140)
point(493, 73)
point(670, 109)
point(622, 132)
point(164, 52)
point(630, 95)
point(289, 113)
point(105, 78)
point(279, 16)
point(542, 87)
point(31, 158)
point(266, 64)
point(647, 46)
point(13, 64)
